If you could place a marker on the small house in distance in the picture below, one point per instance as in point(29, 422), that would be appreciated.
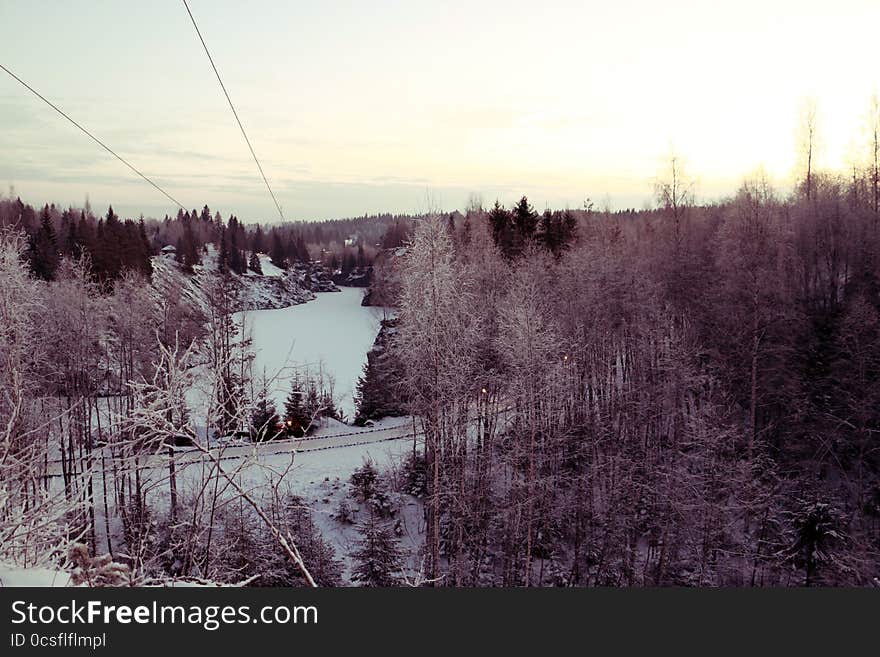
point(169, 250)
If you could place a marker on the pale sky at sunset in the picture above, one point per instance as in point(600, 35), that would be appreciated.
point(358, 107)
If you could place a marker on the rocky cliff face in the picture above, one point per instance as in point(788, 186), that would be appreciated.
point(312, 276)
point(276, 289)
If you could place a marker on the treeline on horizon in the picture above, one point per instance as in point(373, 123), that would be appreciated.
point(114, 245)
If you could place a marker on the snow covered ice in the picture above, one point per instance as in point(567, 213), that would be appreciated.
point(333, 333)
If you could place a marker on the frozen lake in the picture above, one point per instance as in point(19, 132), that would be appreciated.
point(333, 332)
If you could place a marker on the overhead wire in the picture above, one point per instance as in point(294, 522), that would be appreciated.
point(93, 137)
point(232, 107)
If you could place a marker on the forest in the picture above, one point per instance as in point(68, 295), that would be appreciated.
point(685, 395)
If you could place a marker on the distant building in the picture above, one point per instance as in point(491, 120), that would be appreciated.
point(169, 250)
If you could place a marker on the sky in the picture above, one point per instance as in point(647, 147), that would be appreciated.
point(364, 107)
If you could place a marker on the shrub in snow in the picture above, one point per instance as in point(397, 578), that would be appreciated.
point(344, 513)
point(97, 571)
point(367, 487)
point(364, 481)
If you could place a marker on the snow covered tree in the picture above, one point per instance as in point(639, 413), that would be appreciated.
point(377, 557)
point(33, 520)
point(439, 329)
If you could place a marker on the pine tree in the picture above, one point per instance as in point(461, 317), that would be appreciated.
point(223, 255)
point(296, 420)
point(569, 228)
point(525, 221)
point(144, 264)
point(237, 262)
point(500, 222)
point(258, 240)
point(378, 555)
point(44, 248)
point(187, 246)
point(549, 235)
point(264, 420)
point(276, 251)
point(302, 249)
point(254, 264)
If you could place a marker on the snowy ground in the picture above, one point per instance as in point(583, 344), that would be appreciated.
point(318, 471)
point(44, 577)
point(333, 332)
point(268, 268)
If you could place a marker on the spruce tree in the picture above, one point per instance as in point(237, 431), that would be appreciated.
point(295, 419)
point(499, 221)
point(254, 264)
point(264, 420)
point(44, 248)
point(525, 220)
point(377, 558)
point(258, 241)
point(223, 255)
point(276, 251)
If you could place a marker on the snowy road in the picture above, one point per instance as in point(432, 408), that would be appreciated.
point(339, 436)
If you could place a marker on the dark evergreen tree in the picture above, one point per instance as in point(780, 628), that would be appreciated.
point(223, 253)
point(525, 222)
point(258, 241)
point(235, 257)
point(254, 264)
point(502, 230)
point(302, 250)
point(187, 246)
point(276, 251)
point(145, 250)
point(265, 423)
point(569, 228)
point(44, 258)
point(549, 235)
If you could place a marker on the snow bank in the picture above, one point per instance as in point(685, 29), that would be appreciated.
point(44, 577)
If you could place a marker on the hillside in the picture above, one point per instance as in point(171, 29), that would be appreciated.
point(275, 288)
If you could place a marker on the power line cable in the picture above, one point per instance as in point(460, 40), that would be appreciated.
point(95, 139)
point(232, 107)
